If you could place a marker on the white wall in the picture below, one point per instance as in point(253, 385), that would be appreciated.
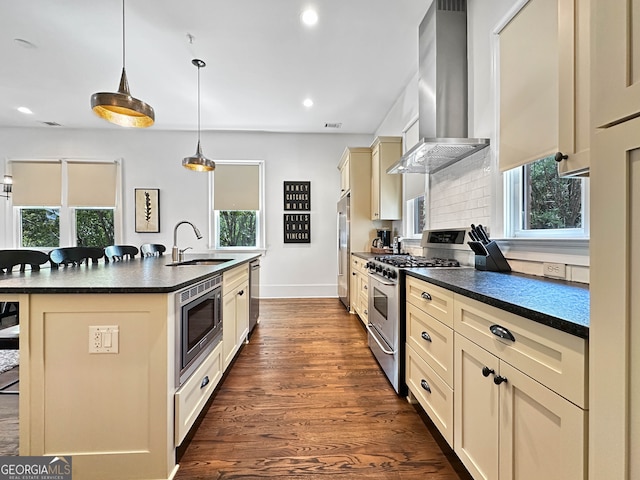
point(152, 159)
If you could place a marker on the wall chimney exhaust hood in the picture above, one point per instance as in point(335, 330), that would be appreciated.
point(442, 92)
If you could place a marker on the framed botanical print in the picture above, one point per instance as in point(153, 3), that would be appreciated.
point(147, 202)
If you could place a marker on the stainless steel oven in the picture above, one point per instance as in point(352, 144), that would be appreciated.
point(384, 327)
point(198, 325)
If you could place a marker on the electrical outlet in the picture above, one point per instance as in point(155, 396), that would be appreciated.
point(555, 270)
point(104, 339)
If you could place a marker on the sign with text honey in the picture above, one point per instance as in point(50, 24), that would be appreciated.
point(297, 196)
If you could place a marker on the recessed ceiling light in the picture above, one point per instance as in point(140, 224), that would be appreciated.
point(25, 110)
point(309, 17)
point(308, 102)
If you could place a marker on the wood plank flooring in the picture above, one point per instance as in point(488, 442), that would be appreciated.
point(305, 399)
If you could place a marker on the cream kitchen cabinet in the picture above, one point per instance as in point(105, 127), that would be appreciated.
point(615, 62)
point(359, 288)
point(429, 352)
point(386, 190)
point(508, 423)
point(557, 76)
point(235, 311)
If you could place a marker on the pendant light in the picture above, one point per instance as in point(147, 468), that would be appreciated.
point(198, 162)
point(120, 107)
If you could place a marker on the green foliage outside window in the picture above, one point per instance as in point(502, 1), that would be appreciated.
point(551, 202)
point(40, 227)
point(94, 228)
point(237, 228)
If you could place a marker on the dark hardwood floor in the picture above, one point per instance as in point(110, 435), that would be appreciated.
point(305, 399)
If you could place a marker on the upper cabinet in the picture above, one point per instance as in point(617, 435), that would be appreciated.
point(344, 168)
point(544, 93)
point(386, 189)
point(616, 86)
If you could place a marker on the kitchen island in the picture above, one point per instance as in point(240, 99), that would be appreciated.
point(112, 412)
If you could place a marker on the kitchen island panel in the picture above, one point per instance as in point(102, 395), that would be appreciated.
point(113, 412)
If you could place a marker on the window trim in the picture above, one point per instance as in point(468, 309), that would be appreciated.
point(213, 217)
point(513, 210)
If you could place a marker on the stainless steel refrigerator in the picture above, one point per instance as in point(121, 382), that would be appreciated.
point(343, 250)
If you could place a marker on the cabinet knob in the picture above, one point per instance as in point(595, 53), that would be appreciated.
point(426, 336)
point(241, 292)
point(426, 296)
point(486, 371)
point(366, 287)
point(425, 385)
point(366, 312)
point(498, 379)
point(559, 156)
point(205, 382)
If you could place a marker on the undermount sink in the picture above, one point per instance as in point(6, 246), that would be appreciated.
point(200, 261)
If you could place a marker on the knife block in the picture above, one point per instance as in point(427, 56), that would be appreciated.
point(489, 257)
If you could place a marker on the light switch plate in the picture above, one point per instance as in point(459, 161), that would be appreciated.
point(104, 339)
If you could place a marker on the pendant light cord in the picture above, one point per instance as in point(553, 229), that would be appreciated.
point(123, 40)
point(198, 103)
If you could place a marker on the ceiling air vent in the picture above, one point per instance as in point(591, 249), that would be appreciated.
point(52, 124)
point(333, 125)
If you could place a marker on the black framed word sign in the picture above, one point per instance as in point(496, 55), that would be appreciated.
point(297, 196)
point(297, 228)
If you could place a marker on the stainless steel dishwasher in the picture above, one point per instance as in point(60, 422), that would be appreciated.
point(254, 293)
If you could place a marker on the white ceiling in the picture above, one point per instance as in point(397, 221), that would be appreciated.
point(262, 62)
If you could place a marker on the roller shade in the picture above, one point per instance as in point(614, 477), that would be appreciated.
point(91, 184)
point(236, 187)
point(37, 184)
point(529, 85)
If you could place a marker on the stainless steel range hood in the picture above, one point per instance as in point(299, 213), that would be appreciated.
point(442, 92)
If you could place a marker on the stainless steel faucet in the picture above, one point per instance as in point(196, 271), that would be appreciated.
point(176, 253)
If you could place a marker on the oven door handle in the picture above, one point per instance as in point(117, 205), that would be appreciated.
point(379, 280)
point(371, 328)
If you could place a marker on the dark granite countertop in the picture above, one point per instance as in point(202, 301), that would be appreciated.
point(559, 304)
point(139, 275)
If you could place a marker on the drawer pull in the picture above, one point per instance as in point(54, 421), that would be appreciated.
point(502, 332)
point(426, 296)
point(425, 336)
point(498, 379)
point(205, 382)
point(486, 371)
point(425, 385)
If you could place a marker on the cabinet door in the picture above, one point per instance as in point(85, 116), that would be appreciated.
point(344, 177)
point(242, 313)
point(574, 123)
point(475, 411)
point(229, 335)
point(615, 61)
point(375, 183)
point(614, 332)
point(542, 435)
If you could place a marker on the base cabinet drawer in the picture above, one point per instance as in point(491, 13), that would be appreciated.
point(433, 394)
point(434, 300)
point(195, 392)
point(432, 340)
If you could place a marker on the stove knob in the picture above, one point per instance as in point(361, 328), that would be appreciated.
point(367, 265)
point(392, 274)
point(378, 268)
point(388, 273)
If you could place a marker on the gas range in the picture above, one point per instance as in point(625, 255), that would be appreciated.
point(388, 266)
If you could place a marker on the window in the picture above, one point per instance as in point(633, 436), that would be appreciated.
point(415, 216)
point(542, 204)
point(65, 203)
point(39, 227)
point(237, 205)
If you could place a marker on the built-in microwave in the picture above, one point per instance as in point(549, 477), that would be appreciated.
point(198, 325)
